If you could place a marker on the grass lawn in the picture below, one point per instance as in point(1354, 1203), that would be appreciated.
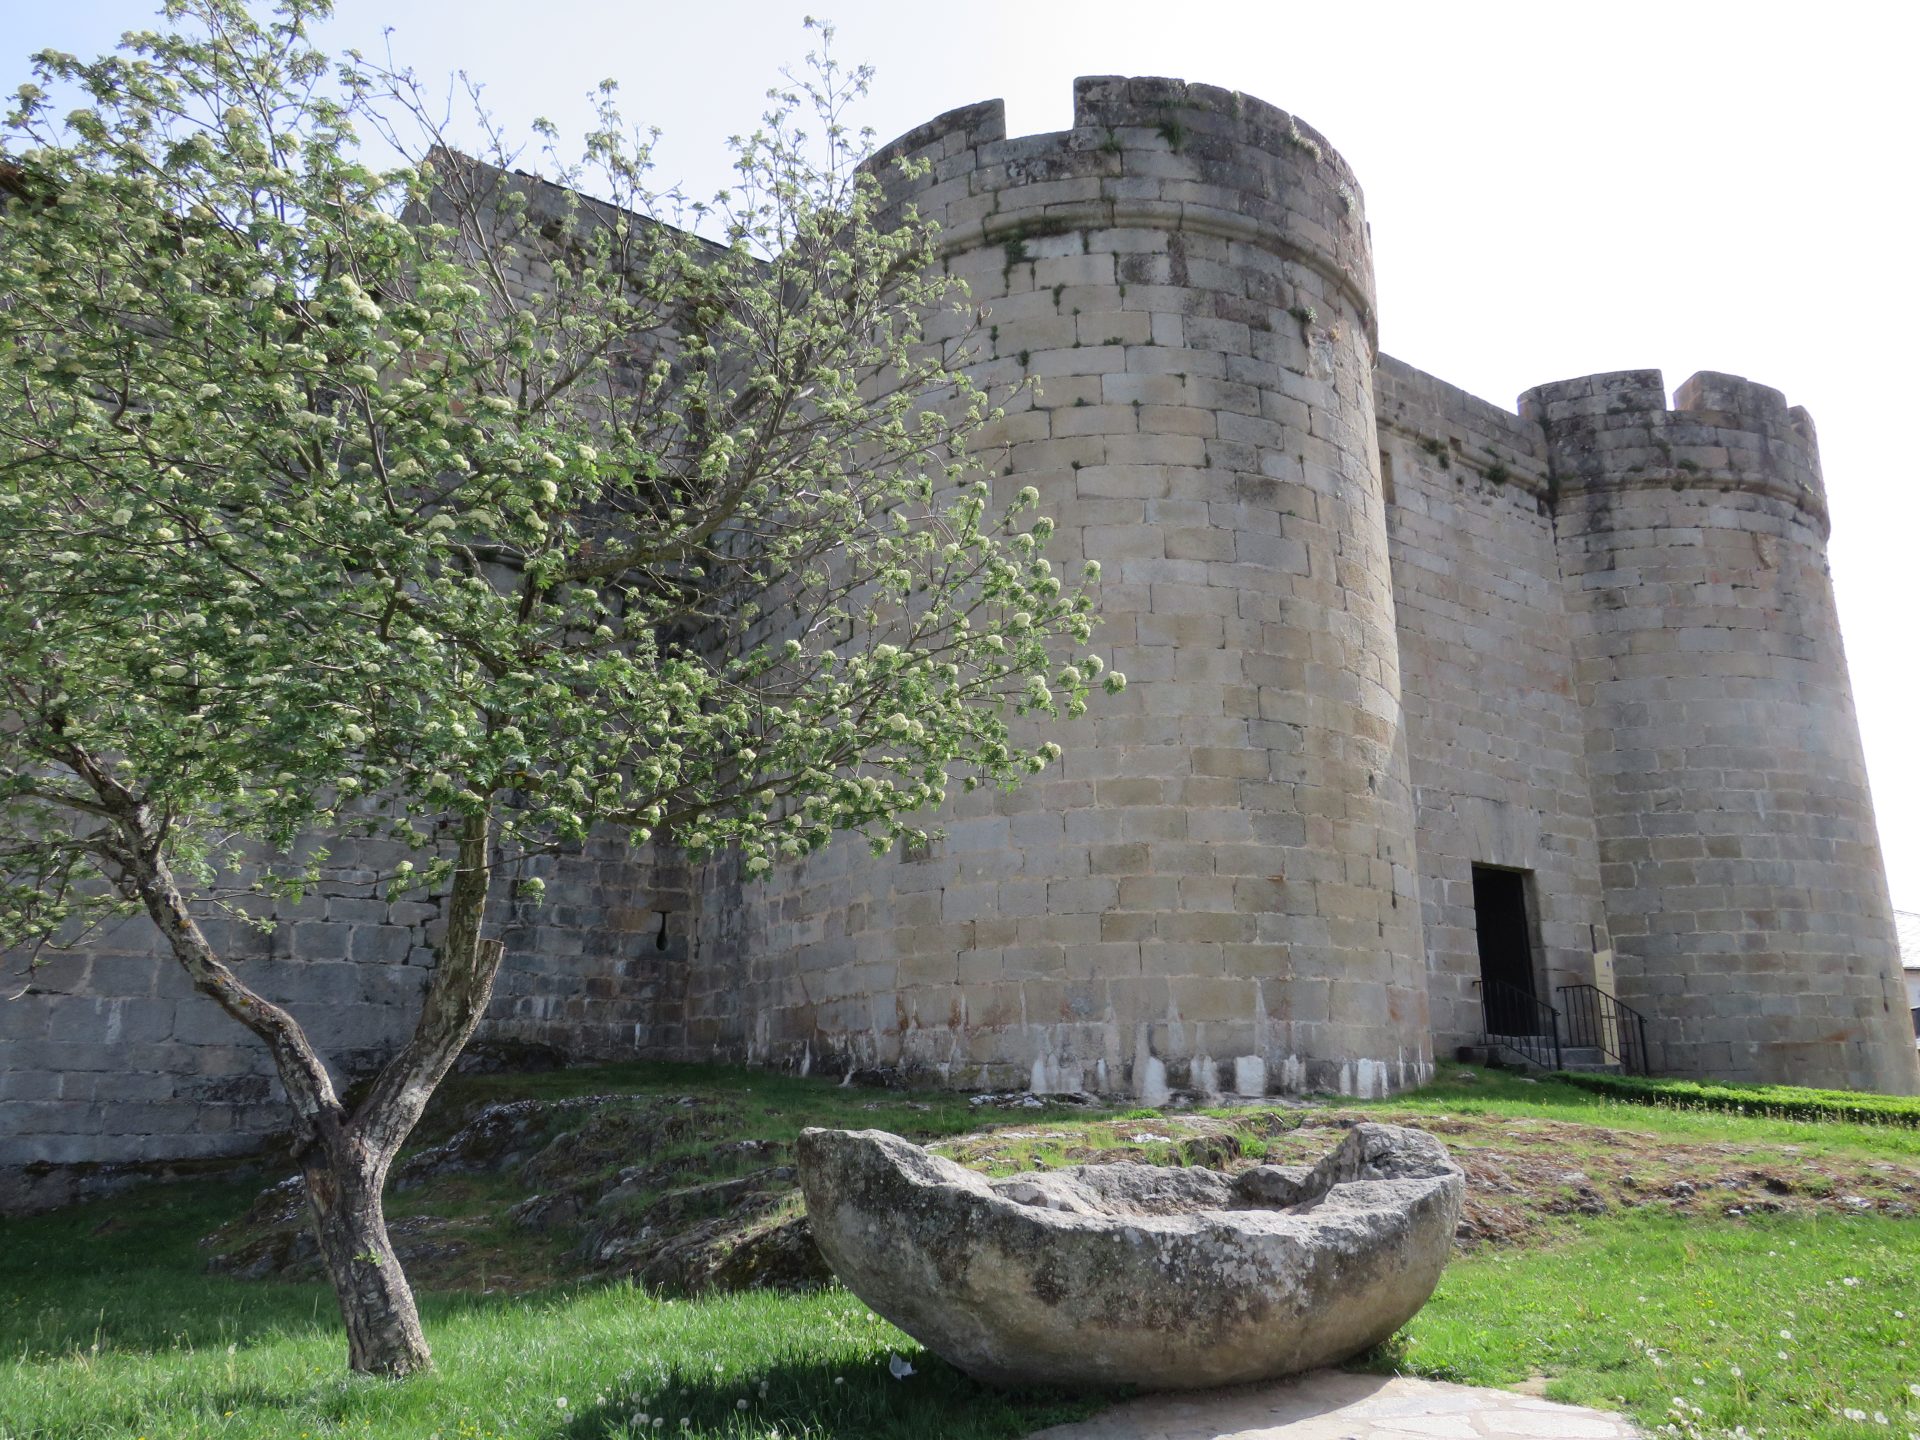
point(110, 1328)
point(1609, 1265)
point(1780, 1326)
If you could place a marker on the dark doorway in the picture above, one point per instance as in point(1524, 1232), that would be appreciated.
point(1506, 951)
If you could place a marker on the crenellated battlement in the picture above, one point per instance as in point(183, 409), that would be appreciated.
point(1723, 432)
point(955, 131)
point(1144, 153)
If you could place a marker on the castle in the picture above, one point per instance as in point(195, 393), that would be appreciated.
point(1438, 715)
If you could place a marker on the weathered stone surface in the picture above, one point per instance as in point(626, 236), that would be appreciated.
point(500, 1137)
point(1120, 1274)
point(715, 1258)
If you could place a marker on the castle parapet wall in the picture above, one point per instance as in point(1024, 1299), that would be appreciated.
point(1615, 430)
point(1144, 153)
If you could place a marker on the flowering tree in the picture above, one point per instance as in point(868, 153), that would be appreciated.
point(437, 501)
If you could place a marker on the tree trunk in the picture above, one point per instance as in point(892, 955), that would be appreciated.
point(344, 1184)
point(344, 1158)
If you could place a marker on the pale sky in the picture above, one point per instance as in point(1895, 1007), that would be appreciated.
point(1554, 189)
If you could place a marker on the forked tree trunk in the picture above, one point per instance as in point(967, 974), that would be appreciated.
point(344, 1184)
point(344, 1157)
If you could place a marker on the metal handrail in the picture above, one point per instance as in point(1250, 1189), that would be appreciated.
point(1506, 1009)
point(1599, 1021)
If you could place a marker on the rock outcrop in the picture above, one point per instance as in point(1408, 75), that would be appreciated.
point(1133, 1274)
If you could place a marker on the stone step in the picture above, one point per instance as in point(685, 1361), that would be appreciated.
point(1516, 1050)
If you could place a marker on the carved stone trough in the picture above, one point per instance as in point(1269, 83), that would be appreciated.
point(1137, 1274)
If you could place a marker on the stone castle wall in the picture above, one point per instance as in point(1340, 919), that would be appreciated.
point(1377, 631)
point(112, 1059)
point(1497, 735)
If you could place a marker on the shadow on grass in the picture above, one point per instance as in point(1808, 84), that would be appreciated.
point(128, 1273)
point(823, 1401)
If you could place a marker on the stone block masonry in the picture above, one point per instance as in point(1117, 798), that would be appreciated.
point(1379, 633)
point(1217, 886)
point(1497, 734)
point(1738, 852)
point(110, 1062)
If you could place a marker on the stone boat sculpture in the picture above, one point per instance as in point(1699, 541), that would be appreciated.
point(1136, 1274)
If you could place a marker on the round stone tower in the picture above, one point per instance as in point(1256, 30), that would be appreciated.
point(1744, 886)
point(1216, 886)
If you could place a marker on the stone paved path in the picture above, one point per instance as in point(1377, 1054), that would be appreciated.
point(1331, 1406)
